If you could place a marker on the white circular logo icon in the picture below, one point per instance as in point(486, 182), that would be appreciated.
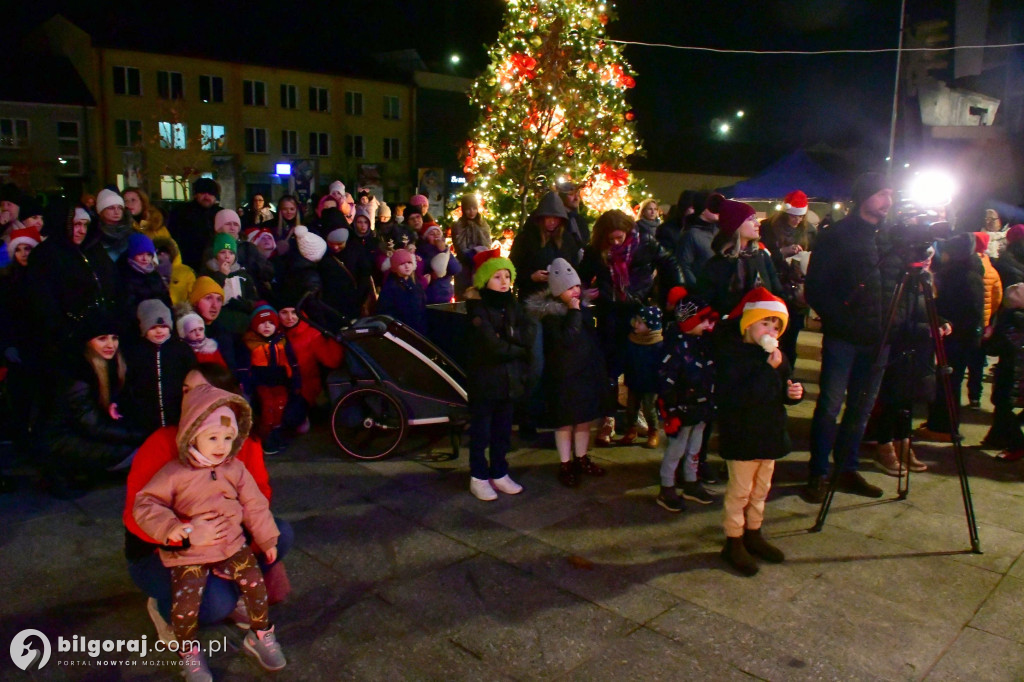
point(30, 650)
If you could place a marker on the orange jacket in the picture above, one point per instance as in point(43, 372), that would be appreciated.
point(993, 288)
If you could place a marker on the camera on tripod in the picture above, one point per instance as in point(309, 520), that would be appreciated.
point(921, 214)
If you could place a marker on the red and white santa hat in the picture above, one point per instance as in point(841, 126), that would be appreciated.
point(760, 304)
point(23, 235)
point(795, 203)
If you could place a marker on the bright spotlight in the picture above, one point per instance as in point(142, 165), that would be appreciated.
point(455, 59)
point(931, 188)
point(724, 128)
point(739, 114)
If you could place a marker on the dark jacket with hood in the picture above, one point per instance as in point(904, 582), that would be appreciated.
point(501, 336)
point(1009, 265)
point(530, 254)
point(67, 282)
point(726, 280)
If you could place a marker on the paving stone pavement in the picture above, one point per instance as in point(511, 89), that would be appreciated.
point(399, 573)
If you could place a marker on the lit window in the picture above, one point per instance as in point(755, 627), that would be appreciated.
point(173, 135)
point(212, 137)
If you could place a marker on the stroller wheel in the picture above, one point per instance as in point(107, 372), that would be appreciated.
point(368, 423)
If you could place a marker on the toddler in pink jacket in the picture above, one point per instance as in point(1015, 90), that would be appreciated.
point(206, 477)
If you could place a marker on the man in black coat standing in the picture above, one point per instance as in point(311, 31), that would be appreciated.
point(191, 225)
point(849, 281)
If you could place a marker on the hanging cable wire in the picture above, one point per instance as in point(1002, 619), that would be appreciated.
point(880, 50)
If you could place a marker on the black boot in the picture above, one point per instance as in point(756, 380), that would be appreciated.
point(669, 499)
point(737, 556)
point(758, 546)
point(567, 475)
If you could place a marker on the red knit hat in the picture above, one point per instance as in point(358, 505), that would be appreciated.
point(263, 312)
point(795, 203)
point(981, 241)
point(759, 304)
point(731, 215)
point(1015, 233)
point(690, 310)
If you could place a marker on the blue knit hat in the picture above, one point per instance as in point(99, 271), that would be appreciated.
point(139, 243)
point(651, 315)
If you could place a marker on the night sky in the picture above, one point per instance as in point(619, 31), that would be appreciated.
point(789, 101)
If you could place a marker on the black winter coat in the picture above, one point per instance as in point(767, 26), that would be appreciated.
point(725, 281)
point(851, 278)
point(653, 270)
point(752, 401)
point(499, 345)
point(686, 378)
point(191, 225)
point(67, 282)
point(528, 256)
point(960, 297)
point(574, 372)
point(1010, 264)
point(152, 386)
point(139, 287)
point(80, 435)
point(346, 283)
point(1007, 342)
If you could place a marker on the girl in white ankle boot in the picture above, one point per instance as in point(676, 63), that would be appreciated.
point(498, 367)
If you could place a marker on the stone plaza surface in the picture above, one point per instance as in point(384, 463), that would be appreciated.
point(399, 573)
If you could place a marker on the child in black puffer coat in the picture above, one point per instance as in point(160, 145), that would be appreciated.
point(1007, 341)
point(573, 378)
point(139, 274)
point(498, 372)
point(686, 396)
point(752, 394)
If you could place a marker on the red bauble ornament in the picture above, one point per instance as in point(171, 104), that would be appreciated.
point(592, 66)
point(603, 19)
point(615, 129)
point(630, 115)
point(578, 133)
point(629, 81)
point(534, 9)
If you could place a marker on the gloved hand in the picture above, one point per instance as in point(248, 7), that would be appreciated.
point(672, 426)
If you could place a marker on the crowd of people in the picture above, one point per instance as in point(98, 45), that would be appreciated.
point(176, 350)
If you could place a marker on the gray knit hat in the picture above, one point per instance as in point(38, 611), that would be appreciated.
point(152, 312)
point(561, 276)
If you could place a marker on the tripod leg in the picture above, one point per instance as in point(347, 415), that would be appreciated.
point(902, 457)
point(954, 417)
point(881, 357)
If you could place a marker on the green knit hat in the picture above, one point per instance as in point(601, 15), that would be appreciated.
point(487, 263)
point(222, 241)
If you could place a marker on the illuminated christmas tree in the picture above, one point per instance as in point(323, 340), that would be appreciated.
point(552, 106)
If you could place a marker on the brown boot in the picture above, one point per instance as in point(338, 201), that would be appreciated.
point(886, 459)
point(605, 433)
point(652, 440)
point(631, 435)
point(909, 459)
point(737, 556)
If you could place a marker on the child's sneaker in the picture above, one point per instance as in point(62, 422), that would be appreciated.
point(506, 485)
point(164, 631)
point(695, 492)
point(263, 646)
point(481, 489)
point(193, 666)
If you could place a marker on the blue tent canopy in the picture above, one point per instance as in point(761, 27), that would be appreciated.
point(795, 171)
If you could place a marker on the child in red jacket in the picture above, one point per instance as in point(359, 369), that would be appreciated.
point(313, 350)
point(192, 330)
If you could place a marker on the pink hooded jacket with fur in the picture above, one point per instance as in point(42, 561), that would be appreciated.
point(180, 490)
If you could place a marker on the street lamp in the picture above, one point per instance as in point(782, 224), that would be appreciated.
point(739, 114)
point(724, 129)
point(455, 59)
